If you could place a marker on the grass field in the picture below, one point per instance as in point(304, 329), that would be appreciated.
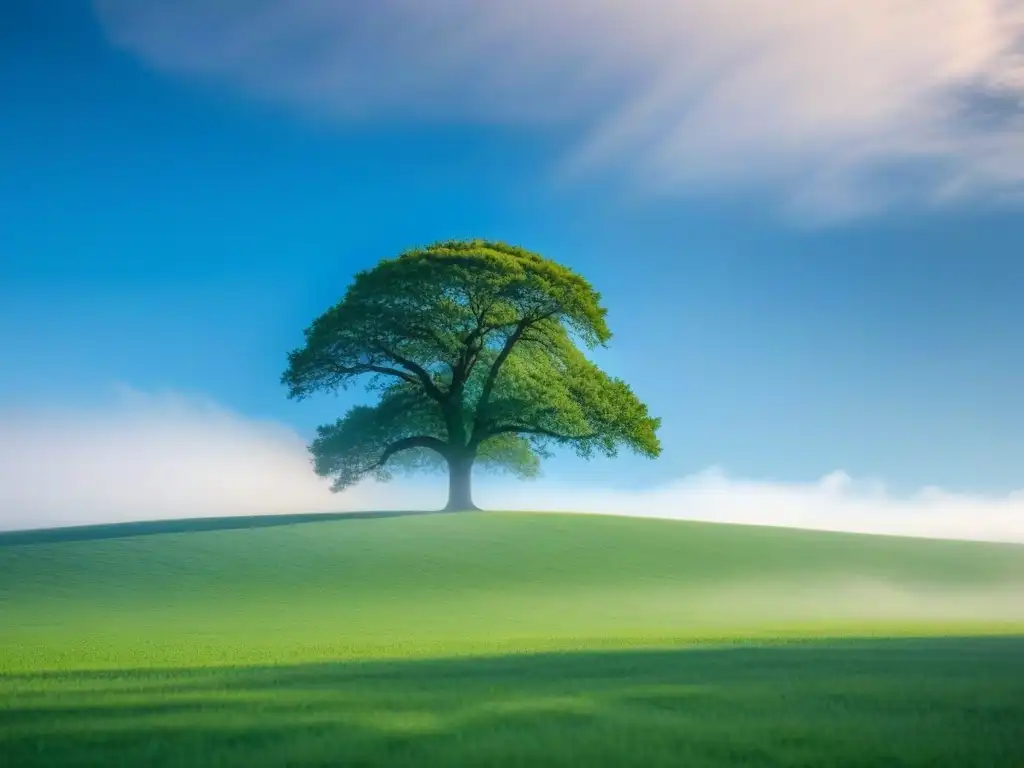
point(507, 639)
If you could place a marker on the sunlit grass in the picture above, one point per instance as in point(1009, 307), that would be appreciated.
point(509, 639)
point(928, 703)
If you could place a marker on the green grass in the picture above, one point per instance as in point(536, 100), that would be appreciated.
point(506, 639)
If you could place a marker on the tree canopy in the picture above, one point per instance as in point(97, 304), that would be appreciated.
point(475, 350)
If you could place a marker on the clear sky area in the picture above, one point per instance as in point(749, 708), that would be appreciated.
point(806, 221)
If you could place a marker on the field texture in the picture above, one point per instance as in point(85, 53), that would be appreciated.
point(507, 639)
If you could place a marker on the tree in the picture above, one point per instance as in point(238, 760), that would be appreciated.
point(472, 346)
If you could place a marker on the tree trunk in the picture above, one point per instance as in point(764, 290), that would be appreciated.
point(460, 483)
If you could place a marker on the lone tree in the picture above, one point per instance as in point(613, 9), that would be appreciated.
point(472, 347)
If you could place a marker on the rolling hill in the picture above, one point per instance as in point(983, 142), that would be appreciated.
point(506, 639)
point(247, 591)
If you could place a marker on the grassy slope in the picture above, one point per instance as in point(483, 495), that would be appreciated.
point(445, 584)
point(936, 703)
point(258, 646)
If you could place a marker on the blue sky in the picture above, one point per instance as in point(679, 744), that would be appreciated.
point(179, 201)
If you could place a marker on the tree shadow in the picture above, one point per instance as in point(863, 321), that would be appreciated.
point(929, 702)
point(192, 525)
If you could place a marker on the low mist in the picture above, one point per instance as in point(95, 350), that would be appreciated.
point(145, 457)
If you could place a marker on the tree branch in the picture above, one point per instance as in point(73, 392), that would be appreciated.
point(356, 370)
point(492, 375)
point(418, 371)
point(407, 443)
point(473, 345)
point(429, 334)
point(520, 429)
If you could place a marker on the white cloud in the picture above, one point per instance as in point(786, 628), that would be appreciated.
point(169, 456)
point(152, 457)
point(845, 107)
point(834, 503)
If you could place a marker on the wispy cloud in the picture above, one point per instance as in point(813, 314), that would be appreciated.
point(841, 107)
point(169, 456)
point(145, 457)
point(836, 502)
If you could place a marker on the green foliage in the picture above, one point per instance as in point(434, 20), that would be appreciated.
point(511, 454)
point(352, 447)
point(474, 348)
